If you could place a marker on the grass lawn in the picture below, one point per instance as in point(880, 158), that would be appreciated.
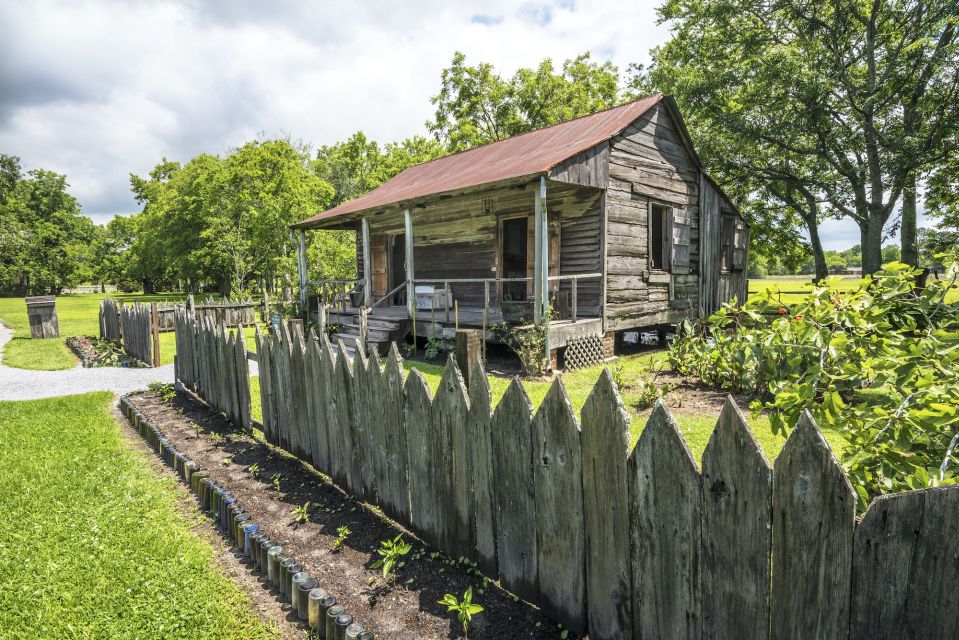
point(92, 542)
point(696, 426)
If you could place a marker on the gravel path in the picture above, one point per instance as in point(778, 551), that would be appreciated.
point(24, 384)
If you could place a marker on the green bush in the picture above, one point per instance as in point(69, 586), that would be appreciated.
point(880, 362)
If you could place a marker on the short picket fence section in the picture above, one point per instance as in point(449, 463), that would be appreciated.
point(212, 363)
point(616, 543)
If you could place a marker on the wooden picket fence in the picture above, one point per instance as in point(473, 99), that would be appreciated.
point(110, 320)
point(137, 335)
point(212, 363)
point(620, 544)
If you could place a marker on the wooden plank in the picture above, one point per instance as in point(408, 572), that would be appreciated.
point(362, 419)
point(558, 500)
point(297, 395)
point(378, 427)
point(418, 411)
point(737, 526)
point(450, 415)
point(321, 434)
point(605, 438)
point(350, 476)
point(481, 471)
point(265, 364)
point(330, 375)
point(814, 508)
point(665, 499)
point(906, 567)
point(512, 450)
point(397, 502)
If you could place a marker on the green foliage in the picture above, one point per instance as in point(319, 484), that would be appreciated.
point(166, 392)
point(342, 533)
point(476, 106)
point(880, 363)
point(436, 346)
point(390, 552)
point(527, 342)
point(87, 513)
point(301, 514)
point(45, 240)
point(465, 609)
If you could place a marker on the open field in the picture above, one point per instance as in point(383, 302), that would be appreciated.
point(793, 288)
point(93, 544)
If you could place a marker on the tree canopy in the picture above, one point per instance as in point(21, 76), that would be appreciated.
point(826, 108)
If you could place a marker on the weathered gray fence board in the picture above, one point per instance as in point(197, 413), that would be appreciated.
point(397, 501)
point(481, 471)
point(330, 375)
point(362, 425)
point(422, 482)
point(376, 395)
point(450, 415)
point(347, 420)
point(905, 559)
point(512, 447)
point(665, 495)
point(109, 320)
point(605, 439)
point(558, 499)
point(737, 527)
point(265, 362)
point(813, 516)
point(300, 417)
point(319, 443)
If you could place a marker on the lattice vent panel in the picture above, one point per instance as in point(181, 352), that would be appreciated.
point(584, 351)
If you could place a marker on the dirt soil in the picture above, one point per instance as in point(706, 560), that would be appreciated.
point(408, 610)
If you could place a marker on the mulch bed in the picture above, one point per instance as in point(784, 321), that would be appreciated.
point(407, 610)
point(85, 348)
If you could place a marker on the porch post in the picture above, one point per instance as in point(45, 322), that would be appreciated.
point(540, 254)
point(541, 261)
point(301, 271)
point(367, 277)
point(410, 287)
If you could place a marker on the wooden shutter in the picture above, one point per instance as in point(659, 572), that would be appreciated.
point(679, 241)
point(739, 245)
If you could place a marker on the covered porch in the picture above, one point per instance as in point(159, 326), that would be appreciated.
point(517, 252)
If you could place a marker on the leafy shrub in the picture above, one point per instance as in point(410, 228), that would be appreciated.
point(528, 343)
point(436, 346)
point(881, 363)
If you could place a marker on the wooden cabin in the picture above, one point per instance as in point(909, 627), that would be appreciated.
point(607, 223)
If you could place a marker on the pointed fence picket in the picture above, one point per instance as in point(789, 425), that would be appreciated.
point(617, 543)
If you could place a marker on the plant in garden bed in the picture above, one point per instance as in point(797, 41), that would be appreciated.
point(301, 514)
point(435, 347)
point(166, 392)
point(390, 552)
point(881, 363)
point(342, 533)
point(465, 609)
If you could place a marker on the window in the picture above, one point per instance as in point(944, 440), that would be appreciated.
point(726, 244)
point(658, 242)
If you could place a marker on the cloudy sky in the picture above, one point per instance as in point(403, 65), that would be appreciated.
point(98, 90)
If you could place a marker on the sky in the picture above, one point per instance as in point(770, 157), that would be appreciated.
point(101, 89)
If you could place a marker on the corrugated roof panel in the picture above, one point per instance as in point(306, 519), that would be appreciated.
point(530, 153)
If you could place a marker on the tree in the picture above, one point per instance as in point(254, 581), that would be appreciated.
point(865, 91)
point(475, 105)
point(45, 240)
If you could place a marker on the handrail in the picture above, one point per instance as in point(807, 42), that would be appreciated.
point(576, 276)
point(388, 295)
point(468, 280)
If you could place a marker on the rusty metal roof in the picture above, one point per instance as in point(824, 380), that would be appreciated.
point(527, 154)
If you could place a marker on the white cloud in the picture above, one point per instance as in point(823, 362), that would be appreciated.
point(99, 89)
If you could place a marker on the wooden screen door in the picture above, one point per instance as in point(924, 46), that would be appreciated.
point(397, 258)
point(378, 266)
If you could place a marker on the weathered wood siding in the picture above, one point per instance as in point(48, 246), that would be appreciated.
point(648, 163)
point(717, 285)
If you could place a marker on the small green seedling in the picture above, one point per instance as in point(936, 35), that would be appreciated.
point(253, 469)
point(276, 482)
point(301, 515)
point(390, 552)
point(342, 533)
point(216, 438)
point(465, 609)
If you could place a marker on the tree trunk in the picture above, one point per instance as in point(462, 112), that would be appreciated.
point(871, 234)
point(819, 257)
point(910, 251)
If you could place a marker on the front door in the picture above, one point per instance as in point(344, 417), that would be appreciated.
point(397, 266)
point(378, 266)
point(515, 252)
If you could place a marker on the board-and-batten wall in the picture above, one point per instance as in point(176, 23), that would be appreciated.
point(716, 285)
point(458, 237)
point(648, 162)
